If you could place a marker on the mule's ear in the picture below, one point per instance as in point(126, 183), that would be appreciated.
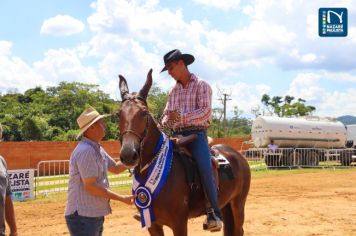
point(146, 88)
point(124, 90)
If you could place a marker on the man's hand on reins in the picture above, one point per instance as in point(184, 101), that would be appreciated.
point(173, 116)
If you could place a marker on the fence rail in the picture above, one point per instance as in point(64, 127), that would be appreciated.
point(300, 157)
point(53, 176)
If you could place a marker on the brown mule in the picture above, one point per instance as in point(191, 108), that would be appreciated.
point(139, 135)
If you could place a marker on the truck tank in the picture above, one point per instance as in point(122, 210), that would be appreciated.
point(308, 132)
point(351, 134)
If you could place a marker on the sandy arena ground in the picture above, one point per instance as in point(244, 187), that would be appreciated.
point(320, 203)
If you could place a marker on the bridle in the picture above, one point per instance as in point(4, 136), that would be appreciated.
point(137, 134)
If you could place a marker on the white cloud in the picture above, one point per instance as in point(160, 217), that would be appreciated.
point(220, 4)
point(309, 57)
point(62, 25)
point(5, 48)
point(263, 89)
point(340, 76)
point(57, 66)
point(15, 73)
point(338, 103)
point(301, 19)
point(352, 34)
point(65, 65)
point(256, 41)
point(127, 57)
point(242, 95)
point(145, 23)
point(306, 86)
point(306, 58)
point(130, 37)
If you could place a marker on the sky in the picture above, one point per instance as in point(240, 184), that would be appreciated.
point(244, 48)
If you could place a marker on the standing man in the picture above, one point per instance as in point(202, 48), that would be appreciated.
point(7, 211)
point(272, 147)
point(189, 110)
point(88, 188)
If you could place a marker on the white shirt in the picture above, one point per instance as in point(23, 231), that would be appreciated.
point(272, 147)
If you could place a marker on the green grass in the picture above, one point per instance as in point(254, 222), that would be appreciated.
point(264, 173)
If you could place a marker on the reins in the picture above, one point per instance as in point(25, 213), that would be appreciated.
point(167, 126)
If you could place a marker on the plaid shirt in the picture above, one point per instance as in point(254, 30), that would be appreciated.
point(193, 102)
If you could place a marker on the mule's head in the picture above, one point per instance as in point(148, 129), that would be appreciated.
point(133, 121)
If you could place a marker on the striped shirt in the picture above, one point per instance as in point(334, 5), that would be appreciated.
point(88, 159)
point(193, 102)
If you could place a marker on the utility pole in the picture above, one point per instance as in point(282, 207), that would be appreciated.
point(224, 100)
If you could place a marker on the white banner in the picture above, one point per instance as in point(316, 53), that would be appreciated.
point(21, 184)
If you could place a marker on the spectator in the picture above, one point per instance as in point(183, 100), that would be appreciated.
point(272, 147)
point(7, 211)
point(88, 188)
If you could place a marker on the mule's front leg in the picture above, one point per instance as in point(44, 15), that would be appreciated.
point(180, 229)
point(156, 230)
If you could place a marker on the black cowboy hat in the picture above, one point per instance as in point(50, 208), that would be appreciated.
point(176, 55)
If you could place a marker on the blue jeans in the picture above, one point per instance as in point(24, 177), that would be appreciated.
point(201, 153)
point(84, 226)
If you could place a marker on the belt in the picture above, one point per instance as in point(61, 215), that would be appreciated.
point(191, 128)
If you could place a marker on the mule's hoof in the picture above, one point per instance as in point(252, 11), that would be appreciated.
point(137, 217)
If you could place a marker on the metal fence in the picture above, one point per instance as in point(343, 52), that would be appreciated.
point(52, 176)
point(299, 157)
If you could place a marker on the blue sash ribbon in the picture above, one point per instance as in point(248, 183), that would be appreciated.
point(147, 190)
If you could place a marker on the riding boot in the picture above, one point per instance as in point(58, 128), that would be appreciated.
point(213, 223)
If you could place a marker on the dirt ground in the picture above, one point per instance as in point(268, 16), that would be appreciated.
point(320, 203)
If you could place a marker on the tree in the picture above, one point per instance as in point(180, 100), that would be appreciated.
point(51, 114)
point(285, 106)
point(256, 111)
point(157, 100)
point(215, 128)
point(30, 130)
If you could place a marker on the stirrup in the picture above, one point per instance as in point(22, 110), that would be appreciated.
point(212, 223)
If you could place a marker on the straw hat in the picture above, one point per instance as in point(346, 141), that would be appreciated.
point(88, 118)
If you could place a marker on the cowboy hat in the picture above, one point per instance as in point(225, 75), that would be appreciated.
point(176, 55)
point(88, 118)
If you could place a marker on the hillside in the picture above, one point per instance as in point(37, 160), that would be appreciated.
point(347, 120)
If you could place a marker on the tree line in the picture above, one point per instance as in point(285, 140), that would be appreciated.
point(50, 114)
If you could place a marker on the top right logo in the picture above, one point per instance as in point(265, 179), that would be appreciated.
point(332, 22)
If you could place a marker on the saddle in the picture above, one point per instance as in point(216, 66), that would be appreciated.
point(221, 167)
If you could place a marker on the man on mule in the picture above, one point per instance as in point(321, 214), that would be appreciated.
point(88, 188)
point(189, 111)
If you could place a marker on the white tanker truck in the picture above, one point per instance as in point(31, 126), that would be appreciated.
point(301, 141)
